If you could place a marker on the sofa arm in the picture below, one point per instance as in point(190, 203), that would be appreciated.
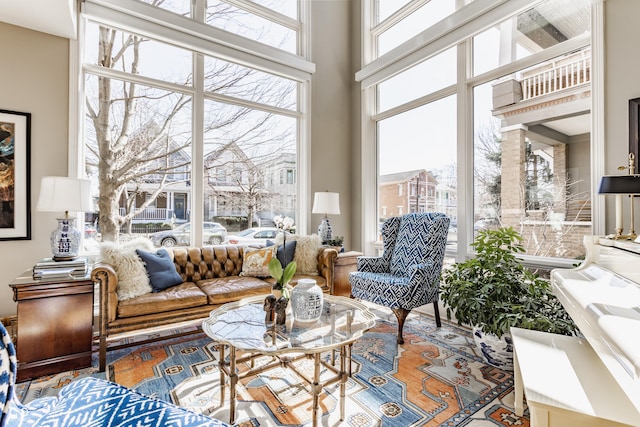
point(107, 279)
point(326, 260)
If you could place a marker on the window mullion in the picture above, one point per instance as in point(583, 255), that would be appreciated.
point(197, 152)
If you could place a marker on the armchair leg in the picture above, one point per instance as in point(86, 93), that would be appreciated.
point(436, 312)
point(401, 315)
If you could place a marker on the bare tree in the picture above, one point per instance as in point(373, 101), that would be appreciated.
point(488, 166)
point(136, 132)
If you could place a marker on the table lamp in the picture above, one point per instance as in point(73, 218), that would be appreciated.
point(326, 203)
point(62, 194)
point(619, 185)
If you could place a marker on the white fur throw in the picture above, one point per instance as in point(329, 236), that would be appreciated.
point(306, 254)
point(133, 280)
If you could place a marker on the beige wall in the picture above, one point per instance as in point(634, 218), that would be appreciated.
point(34, 78)
point(622, 83)
point(331, 158)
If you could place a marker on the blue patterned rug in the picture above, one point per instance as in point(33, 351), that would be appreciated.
point(435, 379)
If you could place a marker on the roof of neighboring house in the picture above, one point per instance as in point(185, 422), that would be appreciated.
point(400, 176)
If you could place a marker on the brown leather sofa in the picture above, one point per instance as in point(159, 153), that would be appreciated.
point(211, 276)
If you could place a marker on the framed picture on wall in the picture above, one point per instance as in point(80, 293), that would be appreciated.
point(634, 128)
point(15, 173)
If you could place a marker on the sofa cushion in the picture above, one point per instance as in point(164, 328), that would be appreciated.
point(132, 276)
point(255, 262)
point(186, 295)
point(306, 253)
point(285, 253)
point(232, 288)
point(160, 269)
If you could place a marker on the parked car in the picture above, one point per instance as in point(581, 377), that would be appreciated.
point(213, 234)
point(90, 231)
point(252, 235)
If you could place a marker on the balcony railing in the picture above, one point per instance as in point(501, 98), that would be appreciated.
point(558, 78)
point(151, 214)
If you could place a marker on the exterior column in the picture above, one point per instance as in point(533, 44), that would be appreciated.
point(513, 175)
point(560, 176)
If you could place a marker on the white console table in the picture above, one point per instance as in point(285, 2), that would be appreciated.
point(566, 384)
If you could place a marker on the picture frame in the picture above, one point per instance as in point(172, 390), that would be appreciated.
point(634, 129)
point(15, 175)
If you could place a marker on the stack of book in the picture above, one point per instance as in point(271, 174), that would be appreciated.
point(49, 268)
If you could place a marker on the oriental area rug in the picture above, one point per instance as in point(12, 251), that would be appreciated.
point(435, 379)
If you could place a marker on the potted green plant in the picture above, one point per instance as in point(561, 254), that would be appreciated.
point(494, 291)
point(282, 275)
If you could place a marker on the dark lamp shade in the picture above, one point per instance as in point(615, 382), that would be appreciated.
point(620, 184)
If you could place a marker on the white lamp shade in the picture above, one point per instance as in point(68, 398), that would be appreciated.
point(326, 203)
point(62, 194)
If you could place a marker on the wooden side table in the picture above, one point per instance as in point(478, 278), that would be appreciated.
point(55, 324)
point(345, 264)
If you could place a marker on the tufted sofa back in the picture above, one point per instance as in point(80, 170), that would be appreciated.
point(208, 262)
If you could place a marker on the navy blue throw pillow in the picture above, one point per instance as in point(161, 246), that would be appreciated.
point(160, 269)
point(286, 252)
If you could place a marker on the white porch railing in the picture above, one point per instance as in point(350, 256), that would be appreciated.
point(157, 214)
point(559, 77)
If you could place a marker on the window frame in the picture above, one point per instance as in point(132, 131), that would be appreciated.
point(163, 25)
point(458, 30)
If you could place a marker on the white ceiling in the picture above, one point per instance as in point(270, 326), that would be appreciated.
point(57, 17)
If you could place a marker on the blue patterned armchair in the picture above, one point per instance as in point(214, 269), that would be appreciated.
point(87, 402)
point(407, 275)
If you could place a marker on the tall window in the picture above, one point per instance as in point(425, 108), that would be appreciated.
point(508, 94)
point(178, 111)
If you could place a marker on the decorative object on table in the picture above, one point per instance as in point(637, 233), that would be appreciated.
point(15, 175)
point(48, 268)
point(407, 275)
point(62, 194)
point(326, 203)
point(280, 309)
point(282, 275)
point(620, 185)
point(494, 291)
point(306, 301)
point(282, 267)
point(269, 308)
point(336, 242)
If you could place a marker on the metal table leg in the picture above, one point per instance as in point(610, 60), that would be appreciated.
point(221, 368)
point(233, 380)
point(316, 389)
point(343, 378)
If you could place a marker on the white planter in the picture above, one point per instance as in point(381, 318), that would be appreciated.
point(496, 351)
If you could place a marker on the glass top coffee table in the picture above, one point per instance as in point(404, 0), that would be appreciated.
point(242, 327)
